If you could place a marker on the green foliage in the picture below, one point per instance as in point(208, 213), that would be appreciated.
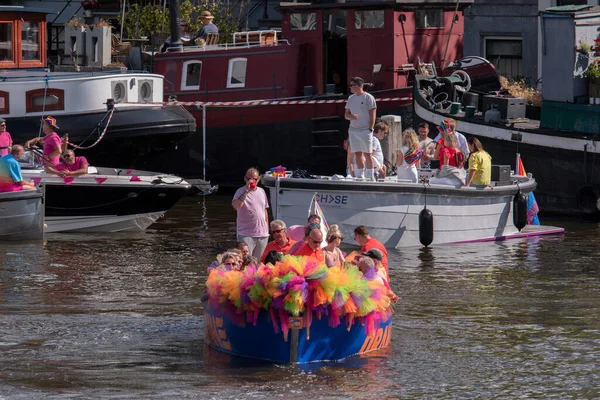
point(593, 72)
point(146, 18)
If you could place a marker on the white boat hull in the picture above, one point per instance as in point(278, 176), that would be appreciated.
point(104, 223)
point(391, 210)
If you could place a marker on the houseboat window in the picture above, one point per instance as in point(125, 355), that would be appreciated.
point(4, 103)
point(303, 22)
point(369, 19)
point(236, 75)
point(30, 40)
point(53, 100)
point(190, 77)
point(430, 19)
point(506, 54)
point(6, 41)
point(334, 23)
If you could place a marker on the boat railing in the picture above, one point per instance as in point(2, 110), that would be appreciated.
point(245, 39)
point(53, 76)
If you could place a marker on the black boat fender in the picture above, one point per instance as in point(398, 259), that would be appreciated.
point(520, 210)
point(588, 199)
point(425, 223)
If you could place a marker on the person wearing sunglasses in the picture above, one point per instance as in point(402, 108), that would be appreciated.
point(312, 247)
point(281, 242)
point(70, 166)
point(5, 139)
point(252, 222)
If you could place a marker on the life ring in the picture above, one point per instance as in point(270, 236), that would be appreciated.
point(588, 199)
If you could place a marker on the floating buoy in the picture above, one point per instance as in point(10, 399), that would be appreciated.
point(425, 227)
point(520, 210)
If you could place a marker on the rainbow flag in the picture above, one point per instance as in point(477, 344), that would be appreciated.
point(532, 206)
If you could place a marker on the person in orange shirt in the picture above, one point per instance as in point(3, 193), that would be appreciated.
point(280, 243)
point(361, 236)
point(312, 247)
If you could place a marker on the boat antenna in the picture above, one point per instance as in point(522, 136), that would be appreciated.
point(46, 79)
point(450, 34)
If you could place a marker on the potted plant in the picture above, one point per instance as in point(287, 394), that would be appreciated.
point(593, 74)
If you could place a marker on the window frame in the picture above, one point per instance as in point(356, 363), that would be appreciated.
point(312, 27)
point(17, 51)
point(232, 61)
point(183, 84)
point(30, 94)
point(425, 11)
point(6, 97)
point(362, 28)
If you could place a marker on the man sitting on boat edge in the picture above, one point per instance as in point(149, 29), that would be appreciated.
point(71, 165)
point(361, 236)
point(281, 242)
point(11, 179)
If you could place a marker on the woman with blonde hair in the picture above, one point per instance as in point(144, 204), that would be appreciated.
point(450, 154)
point(333, 255)
point(409, 156)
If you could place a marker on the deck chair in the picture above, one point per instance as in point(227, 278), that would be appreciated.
point(118, 47)
point(212, 38)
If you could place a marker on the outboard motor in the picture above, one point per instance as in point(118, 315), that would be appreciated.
point(520, 210)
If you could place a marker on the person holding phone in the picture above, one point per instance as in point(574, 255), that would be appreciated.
point(252, 223)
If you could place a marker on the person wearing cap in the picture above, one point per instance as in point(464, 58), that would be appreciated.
point(11, 179)
point(51, 141)
point(185, 37)
point(312, 247)
point(377, 256)
point(361, 236)
point(5, 139)
point(207, 26)
point(70, 166)
point(448, 125)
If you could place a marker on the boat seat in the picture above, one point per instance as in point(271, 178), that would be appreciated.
point(92, 170)
point(212, 38)
point(119, 47)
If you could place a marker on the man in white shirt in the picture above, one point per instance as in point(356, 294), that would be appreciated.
point(426, 145)
point(450, 124)
point(361, 110)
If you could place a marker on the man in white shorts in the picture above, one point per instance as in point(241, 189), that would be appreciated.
point(361, 110)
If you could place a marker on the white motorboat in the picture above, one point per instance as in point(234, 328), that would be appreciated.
point(22, 215)
point(107, 199)
point(391, 209)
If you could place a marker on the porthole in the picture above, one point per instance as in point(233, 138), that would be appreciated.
point(119, 91)
point(146, 92)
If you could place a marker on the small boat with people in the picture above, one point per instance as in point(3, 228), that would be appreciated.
point(296, 310)
point(22, 215)
point(104, 199)
point(401, 213)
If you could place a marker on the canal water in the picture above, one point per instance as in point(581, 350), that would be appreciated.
point(119, 316)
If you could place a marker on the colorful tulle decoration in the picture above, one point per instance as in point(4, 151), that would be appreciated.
point(299, 287)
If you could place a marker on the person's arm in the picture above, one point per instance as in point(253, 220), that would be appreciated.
point(349, 116)
point(51, 170)
point(27, 185)
point(267, 216)
point(372, 118)
point(399, 159)
point(238, 202)
point(33, 142)
point(81, 171)
point(470, 177)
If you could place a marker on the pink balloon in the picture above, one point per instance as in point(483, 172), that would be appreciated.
point(296, 232)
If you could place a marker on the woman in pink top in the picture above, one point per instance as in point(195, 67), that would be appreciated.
point(51, 140)
point(5, 139)
point(71, 166)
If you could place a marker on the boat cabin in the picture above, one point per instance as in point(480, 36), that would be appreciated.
point(318, 49)
point(23, 37)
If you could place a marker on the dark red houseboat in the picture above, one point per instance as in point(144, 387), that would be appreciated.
point(278, 97)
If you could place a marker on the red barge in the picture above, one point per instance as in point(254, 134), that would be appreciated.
point(278, 97)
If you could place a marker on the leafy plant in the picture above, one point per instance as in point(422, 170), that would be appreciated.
point(584, 47)
point(593, 71)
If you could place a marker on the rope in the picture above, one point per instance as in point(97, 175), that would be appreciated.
point(101, 136)
point(46, 80)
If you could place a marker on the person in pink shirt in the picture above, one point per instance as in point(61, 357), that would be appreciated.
point(5, 139)
point(71, 165)
point(51, 141)
point(252, 221)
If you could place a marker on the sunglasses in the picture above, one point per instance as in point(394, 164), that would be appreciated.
point(353, 84)
point(2, 124)
point(231, 264)
point(277, 230)
point(68, 156)
point(315, 241)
